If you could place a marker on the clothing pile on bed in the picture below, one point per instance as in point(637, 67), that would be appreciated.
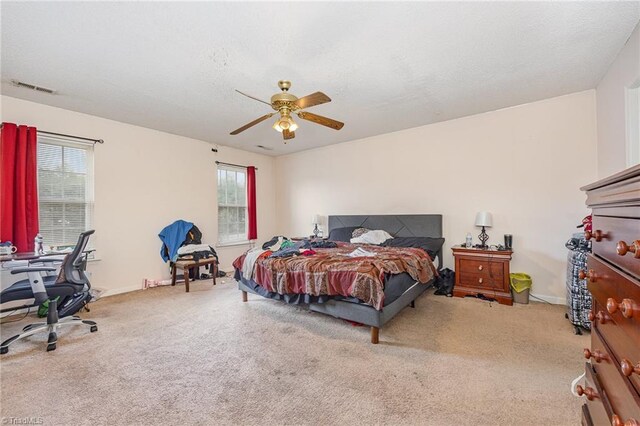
point(329, 268)
point(281, 247)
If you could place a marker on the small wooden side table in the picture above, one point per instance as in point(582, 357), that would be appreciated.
point(186, 266)
point(483, 272)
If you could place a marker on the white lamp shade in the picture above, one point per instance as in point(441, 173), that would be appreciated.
point(484, 219)
point(315, 219)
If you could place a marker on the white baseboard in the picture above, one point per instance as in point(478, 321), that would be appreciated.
point(555, 300)
point(119, 290)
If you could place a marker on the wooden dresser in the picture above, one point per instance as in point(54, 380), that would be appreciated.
point(612, 387)
point(482, 272)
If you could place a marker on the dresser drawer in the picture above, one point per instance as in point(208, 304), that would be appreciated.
point(610, 288)
point(600, 411)
point(618, 342)
point(623, 398)
point(586, 417)
point(608, 236)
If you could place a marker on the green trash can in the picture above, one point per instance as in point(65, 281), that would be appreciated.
point(520, 287)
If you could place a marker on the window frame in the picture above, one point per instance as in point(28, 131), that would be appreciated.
point(89, 197)
point(244, 240)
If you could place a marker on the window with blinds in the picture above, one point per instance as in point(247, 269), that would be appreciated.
point(65, 189)
point(232, 205)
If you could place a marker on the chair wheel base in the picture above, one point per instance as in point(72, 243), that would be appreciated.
point(93, 328)
point(51, 347)
point(4, 350)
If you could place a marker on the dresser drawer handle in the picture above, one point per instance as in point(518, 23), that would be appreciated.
point(616, 420)
point(480, 280)
point(623, 248)
point(600, 316)
point(597, 235)
point(589, 392)
point(591, 275)
point(628, 368)
point(628, 307)
point(597, 355)
point(480, 268)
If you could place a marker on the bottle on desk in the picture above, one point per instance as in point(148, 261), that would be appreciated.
point(38, 245)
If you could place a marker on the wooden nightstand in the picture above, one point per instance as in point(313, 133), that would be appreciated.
point(483, 272)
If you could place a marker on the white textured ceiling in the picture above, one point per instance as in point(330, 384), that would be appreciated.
point(387, 66)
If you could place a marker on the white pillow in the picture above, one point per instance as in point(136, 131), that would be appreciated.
point(372, 237)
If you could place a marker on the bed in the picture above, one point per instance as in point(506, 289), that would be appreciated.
point(400, 290)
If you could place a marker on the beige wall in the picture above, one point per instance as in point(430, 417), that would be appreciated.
point(145, 179)
point(524, 164)
point(611, 101)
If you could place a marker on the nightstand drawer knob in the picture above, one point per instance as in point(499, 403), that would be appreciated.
point(480, 268)
point(480, 280)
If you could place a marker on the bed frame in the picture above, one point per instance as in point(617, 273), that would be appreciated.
point(418, 225)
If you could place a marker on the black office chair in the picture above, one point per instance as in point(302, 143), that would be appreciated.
point(65, 298)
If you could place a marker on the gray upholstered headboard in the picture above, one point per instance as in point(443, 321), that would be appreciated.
point(398, 225)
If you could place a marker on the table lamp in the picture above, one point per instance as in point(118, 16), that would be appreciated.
point(484, 219)
point(315, 220)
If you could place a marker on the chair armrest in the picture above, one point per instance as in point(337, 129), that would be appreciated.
point(28, 269)
point(45, 260)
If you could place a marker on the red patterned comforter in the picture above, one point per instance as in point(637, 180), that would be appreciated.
point(330, 272)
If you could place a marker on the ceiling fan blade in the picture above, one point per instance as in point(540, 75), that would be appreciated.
point(253, 97)
point(253, 123)
point(336, 125)
point(312, 100)
point(286, 134)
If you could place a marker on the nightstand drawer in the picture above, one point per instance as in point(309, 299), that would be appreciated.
point(481, 281)
point(482, 268)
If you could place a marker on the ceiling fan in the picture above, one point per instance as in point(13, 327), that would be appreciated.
point(287, 104)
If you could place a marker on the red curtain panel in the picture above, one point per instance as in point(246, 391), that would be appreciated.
point(18, 185)
point(251, 203)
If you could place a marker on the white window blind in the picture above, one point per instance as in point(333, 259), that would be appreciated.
point(65, 189)
point(232, 205)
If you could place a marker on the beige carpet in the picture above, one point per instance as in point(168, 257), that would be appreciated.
point(165, 357)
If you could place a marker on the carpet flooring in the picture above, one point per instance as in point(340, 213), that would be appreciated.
point(165, 357)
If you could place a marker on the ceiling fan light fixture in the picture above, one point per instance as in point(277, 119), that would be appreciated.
point(284, 105)
point(285, 123)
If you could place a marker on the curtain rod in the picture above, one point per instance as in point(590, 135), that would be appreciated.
point(66, 136)
point(234, 165)
point(71, 136)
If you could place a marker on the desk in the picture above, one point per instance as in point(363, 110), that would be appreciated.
point(28, 256)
